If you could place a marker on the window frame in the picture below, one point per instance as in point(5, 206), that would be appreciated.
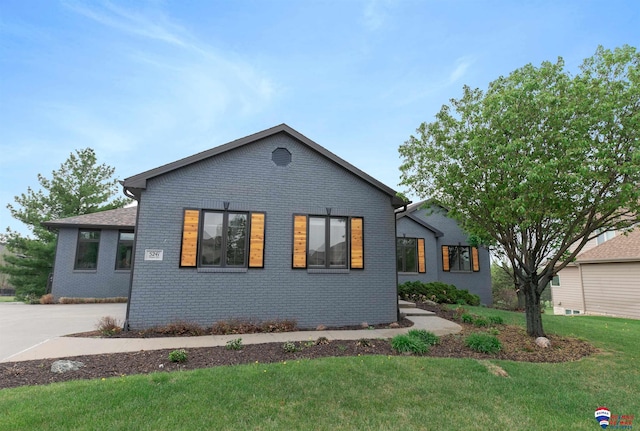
point(555, 281)
point(405, 247)
point(120, 241)
point(80, 241)
point(469, 256)
point(327, 240)
point(225, 240)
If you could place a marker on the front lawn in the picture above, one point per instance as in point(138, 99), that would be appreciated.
point(372, 392)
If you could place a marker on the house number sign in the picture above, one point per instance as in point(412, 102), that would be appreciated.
point(153, 254)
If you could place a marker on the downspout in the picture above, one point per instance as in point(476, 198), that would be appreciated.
point(395, 234)
point(133, 257)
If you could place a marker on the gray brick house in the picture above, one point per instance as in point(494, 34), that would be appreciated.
point(270, 226)
point(432, 247)
point(94, 254)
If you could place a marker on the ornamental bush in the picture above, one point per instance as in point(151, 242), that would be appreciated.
point(436, 291)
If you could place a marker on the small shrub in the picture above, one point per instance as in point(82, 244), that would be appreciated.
point(178, 356)
point(494, 331)
point(404, 343)
point(289, 347)
point(481, 322)
point(108, 326)
point(436, 291)
point(483, 342)
point(235, 344)
point(181, 328)
point(47, 299)
point(496, 320)
point(234, 326)
point(114, 300)
point(31, 298)
point(467, 318)
point(429, 338)
point(322, 340)
point(363, 342)
point(278, 326)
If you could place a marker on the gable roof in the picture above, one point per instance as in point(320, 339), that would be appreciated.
point(621, 248)
point(117, 218)
point(409, 214)
point(138, 182)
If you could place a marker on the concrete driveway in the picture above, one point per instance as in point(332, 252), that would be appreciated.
point(24, 326)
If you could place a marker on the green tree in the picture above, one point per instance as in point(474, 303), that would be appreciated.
point(538, 164)
point(80, 186)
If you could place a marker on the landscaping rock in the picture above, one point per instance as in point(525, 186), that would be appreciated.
point(321, 328)
point(65, 366)
point(429, 302)
point(543, 342)
point(394, 325)
point(364, 325)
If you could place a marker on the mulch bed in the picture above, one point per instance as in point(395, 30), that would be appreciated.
point(516, 346)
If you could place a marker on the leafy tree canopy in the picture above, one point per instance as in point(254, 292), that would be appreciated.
point(80, 186)
point(538, 164)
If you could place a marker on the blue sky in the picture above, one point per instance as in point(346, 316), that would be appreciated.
point(145, 83)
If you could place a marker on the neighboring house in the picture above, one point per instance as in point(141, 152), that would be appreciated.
point(270, 226)
point(432, 247)
point(94, 254)
point(604, 279)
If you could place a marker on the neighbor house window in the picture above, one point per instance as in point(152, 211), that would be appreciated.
point(328, 242)
point(460, 258)
point(125, 250)
point(555, 281)
point(224, 239)
point(87, 250)
point(606, 236)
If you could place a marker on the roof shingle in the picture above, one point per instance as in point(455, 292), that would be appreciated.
point(120, 217)
point(618, 249)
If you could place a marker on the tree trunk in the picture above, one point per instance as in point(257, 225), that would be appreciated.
point(521, 299)
point(532, 310)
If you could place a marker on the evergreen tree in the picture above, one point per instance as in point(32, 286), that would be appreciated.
point(80, 186)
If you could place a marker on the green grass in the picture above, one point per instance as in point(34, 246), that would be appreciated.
point(369, 393)
point(7, 298)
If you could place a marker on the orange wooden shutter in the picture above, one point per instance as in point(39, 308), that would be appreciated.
point(299, 241)
point(445, 258)
point(188, 256)
point(474, 259)
point(256, 241)
point(422, 265)
point(357, 243)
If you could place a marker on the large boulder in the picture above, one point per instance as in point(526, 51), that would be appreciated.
point(543, 342)
point(65, 366)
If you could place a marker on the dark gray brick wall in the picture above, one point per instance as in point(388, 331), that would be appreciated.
point(478, 283)
point(104, 282)
point(250, 180)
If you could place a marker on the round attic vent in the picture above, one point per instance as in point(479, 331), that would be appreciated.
point(281, 156)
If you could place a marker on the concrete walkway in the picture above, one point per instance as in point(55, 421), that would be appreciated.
point(63, 347)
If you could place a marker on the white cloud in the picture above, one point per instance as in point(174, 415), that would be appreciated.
point(375, 14)
point(172, 88)
point(462, 64)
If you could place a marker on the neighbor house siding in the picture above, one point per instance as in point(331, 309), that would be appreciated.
point(249, 180)
point(103, 282)
point(612, 288)
point(568, 296)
